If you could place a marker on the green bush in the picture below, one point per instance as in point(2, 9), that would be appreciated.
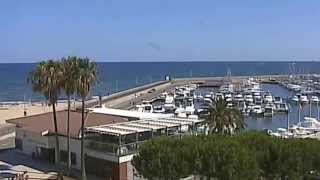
point(250, 155)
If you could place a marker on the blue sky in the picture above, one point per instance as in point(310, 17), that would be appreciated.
point(160, 30)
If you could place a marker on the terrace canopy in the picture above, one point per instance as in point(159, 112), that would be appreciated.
point(144, 125)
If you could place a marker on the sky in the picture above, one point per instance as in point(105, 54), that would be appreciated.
point(160, 30)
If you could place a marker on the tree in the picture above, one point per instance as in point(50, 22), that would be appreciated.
point(69, 82)
point(46, 79)
point(86, 78)
point(223, 119)
point(249, 155)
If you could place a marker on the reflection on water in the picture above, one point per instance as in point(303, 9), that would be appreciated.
point(278, 119)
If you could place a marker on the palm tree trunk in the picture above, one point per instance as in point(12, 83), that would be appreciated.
point(83, 170)
point(68, 132)
point(57, 150)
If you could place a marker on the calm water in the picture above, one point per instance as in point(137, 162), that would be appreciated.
point(280, 119)
point(119, 76)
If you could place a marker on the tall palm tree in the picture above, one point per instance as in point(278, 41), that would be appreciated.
point(69, 80)
point(87, 77)
point(223, 119)
point(46, 79)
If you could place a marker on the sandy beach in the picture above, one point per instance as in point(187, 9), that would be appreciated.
point(16, 111)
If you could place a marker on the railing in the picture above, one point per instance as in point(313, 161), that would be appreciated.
point(124, 149)
point(114, 149)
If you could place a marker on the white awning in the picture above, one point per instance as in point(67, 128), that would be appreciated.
point(143, 125)
point(127, 113)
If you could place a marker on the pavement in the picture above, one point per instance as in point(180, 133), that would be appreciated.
point(13, 162)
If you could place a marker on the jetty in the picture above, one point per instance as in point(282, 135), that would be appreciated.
point(128, 98)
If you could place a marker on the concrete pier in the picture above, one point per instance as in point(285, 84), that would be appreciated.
point(128, 98)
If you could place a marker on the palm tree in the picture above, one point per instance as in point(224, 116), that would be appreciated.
point(46, 79)
point(223, 119)
point(69, 81)
point(87, 77)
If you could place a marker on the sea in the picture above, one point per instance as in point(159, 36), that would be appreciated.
point(118, 76)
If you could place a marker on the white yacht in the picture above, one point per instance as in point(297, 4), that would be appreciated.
point(314, 99)
point(309, 124)
point(303, 99)
point(268, 98)
point(282, 107)
point(248, 98)
point(294, 87)
point(268, 110)
point(207, 101)
point(219, 96)
point(207, 96)
point(277, 100)
point(257, 109)
point(180, 110)
point(190, 109)
point(169, 104)
point(238, 97)
point(159, 109)
point(281, 133)
point(146, 106)
point(257, 99)
point(295, 98)
point(229, 105)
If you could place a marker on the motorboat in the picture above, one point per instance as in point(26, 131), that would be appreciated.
point(307, 90)
point(208, 96)
point(238, 97)
point(277, 100)
point(268, 110)
point(303, 99)
point(309, 124)
point(229, 105)
point(314, 99)
point(180, 110)
point(294, 87)
point(268, 98)
point(295, 98)
point(219, 96)
point(169, 107)
point(282, 107)
point(182, 115)
point(280, 133)
point(169, 104)
point(193, 116)
point(190, 109)
point(207, 101)
point(257, 99)
point(159, 109)
point(248, 98)
point(146, 106)
point(257, 109)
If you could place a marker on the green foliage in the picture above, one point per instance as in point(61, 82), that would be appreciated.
point(223, 119)
point(250, 155)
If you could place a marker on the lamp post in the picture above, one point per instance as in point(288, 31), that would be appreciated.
point(288, 117)
point(310, 109)
point(318, 110)
point(299, 110)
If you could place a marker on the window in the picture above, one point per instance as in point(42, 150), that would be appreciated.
point(64, 157)
point(18, 143)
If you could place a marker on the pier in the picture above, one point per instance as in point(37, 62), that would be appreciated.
point(128, 98)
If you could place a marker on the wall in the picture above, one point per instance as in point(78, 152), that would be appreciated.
point(31, 140)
